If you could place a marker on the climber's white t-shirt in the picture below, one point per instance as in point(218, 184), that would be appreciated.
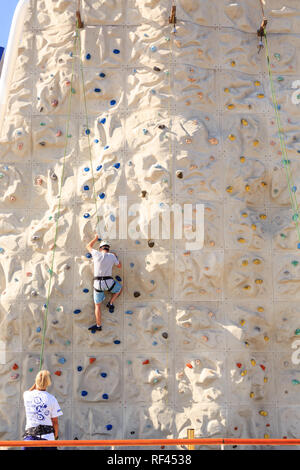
point(103, 265)
point(40, 407)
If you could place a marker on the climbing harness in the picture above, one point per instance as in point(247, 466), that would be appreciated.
point(286, 162)
point(261, 33)
point(104, 278)
point(38, 431)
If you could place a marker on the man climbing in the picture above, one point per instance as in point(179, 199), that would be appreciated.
point(103, 280)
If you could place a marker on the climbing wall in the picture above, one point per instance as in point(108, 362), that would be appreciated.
point(199, 339)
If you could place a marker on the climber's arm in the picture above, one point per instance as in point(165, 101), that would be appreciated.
point(90, 245)
point(117, 265)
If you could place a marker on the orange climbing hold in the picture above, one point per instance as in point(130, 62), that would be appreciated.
point(189, 365)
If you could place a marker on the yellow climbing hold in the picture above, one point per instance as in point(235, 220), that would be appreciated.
point(244, 122)
point(263, 183)
point(258, 281)
point(263, 216)
point(230, 106)
point(245, 262)
point(260, 309)
point(267, 436)
point(244, 214)
point(265, 380)
point(257, 83)
point(241, 240)
point(242, 322)
point(257, 261)
point(247, 287)
point(253, 362)
point(247, 187)
point(233, 63)
point(226, 90)
point(231, 137)
point(251, 395)
point(243, 373)
point(253, 226)
point(255, 143)
point(266, 338)
point(260, 95)
point(229, 189)
point(263, 413)
point(242, 159)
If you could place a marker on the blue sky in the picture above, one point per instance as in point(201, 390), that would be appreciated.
point(6, 15)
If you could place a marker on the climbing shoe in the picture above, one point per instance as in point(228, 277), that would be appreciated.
point(110, 307)
point(95, 328)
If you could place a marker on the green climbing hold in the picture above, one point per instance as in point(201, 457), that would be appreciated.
point(277, 56)
point(295, 382)
point(295, 263)
point(297, 332)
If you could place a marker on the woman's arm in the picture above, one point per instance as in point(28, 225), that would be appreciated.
point(32, 388)
point(55, 426)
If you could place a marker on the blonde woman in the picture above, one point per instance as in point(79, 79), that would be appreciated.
point(42, 412)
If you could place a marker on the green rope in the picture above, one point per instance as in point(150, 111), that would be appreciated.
point(286, 163)
point(57, 215)
point(87, 126)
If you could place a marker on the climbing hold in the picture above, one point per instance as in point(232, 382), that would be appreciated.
point(61, 360)
point(109, 427)
point(263, 413)
point(143, 193)
point(165, 335)
point(54, 103)
point(97, 90)
point(77, 311)
point(88, 255)
point(88, 56)
point(92, 359)
point(86, 216)
point(189, 365)
point(117, 341)
point(87, 131)
point(253, 362)
point(112, 102)
point(85, 290)
point(99, 168)
point(179, 174)
point(116, 51)
point(39, 329)
point(117, 165)
point(79, 368)
point(262, 367)
point(15, 367)
point(153, 48)
point(105, 396)
point(103, 374)
point(145, 362)
point(86, 188)
point(136, 294)
point(151, 243)
point(156, 69)
point(58, 373)
point(102, 121)
point(84, 393)
point(239, 365)
point(53, 176)
point(102, 74)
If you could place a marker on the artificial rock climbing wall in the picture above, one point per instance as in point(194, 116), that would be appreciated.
point(199, 339)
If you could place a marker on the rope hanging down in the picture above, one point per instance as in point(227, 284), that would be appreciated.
point(286, 163)
point(58, 213)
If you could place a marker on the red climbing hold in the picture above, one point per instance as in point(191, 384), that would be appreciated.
point(15, 367)
point(189, 365)
point(239, 365)
point(58, 372)
point(92, 359)
point(262, 367)
point(146, 362)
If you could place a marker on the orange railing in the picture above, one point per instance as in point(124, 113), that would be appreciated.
point(153, 442)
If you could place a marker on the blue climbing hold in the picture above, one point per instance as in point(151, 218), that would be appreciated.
point(102, 74)
point(88, 56)
point(79, 368)
point(1, 250)
point(102, 196)
point(112, 218)
point(61, 360)
point(85, 291)
point(86, 187)
point(86, 216)
point(88, 255)
point(131, 265)
point(96, 141)
point(77, 311)
point(112, 102)
point(109, 427)
point(298, 246)
point(294, 189)
point(84, 393)
point(153, 48)
point(129, 312)
point(86, 169)
point(97, 90)
point(119, 278)
point(116, 51)
point(117, 165)
point(105, 396)
point(102, 121)
point(87, 131)
point(152, 281)
point(106, 147)
point(99, 167)
point(38, 330)
point(154, 343)
point(103, 374)
point(117, 341)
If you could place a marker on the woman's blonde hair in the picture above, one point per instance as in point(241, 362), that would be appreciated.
point(43, 379)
